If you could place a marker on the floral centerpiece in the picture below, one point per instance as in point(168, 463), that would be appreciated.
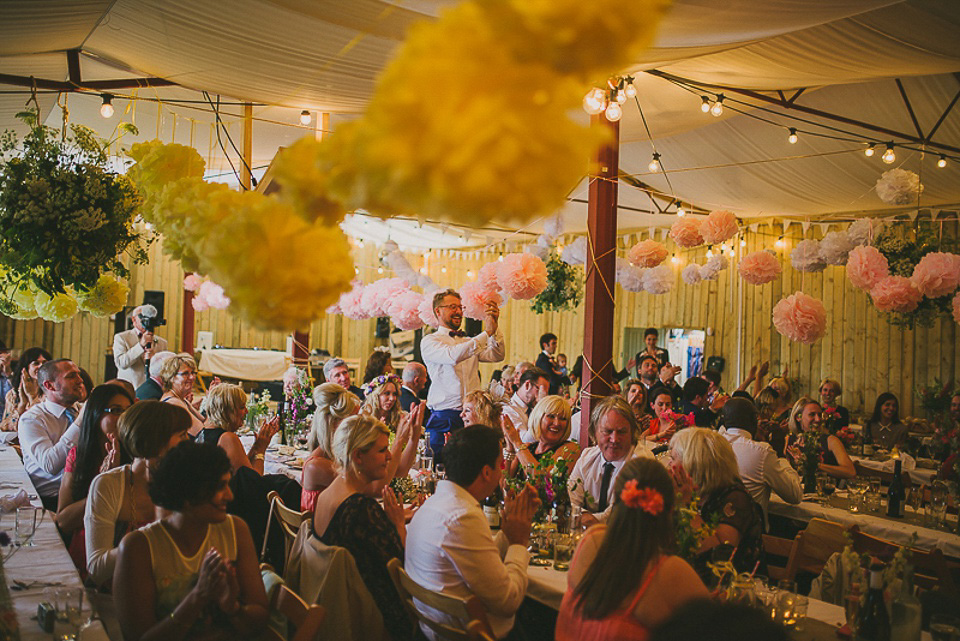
point(807, 455)
point(935, 399)
point(847, 436)
point(257, 408)
point(690, 531)
point(298, 391)
point(66, 220)
point(564, 287)
point(550, 478)
point(831, 420)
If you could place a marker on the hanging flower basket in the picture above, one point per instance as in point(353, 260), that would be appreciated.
point(564, 287)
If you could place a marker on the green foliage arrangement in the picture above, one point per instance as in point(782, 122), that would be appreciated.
point(564, 287)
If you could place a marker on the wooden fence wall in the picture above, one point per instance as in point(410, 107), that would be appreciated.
point(866, 354)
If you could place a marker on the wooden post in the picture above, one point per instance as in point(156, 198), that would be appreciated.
point(186, 326)
point(601, 276)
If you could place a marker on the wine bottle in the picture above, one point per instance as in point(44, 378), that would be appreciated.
point(491, 508)
point(896, 495)
point(906, 611)
point(282, 419)
point(426, 457)
point(874, 622)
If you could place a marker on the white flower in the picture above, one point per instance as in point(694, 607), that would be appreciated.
point(629, 276)
point(576, 252)
point(715, 265)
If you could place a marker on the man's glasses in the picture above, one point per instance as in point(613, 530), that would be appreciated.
point(456, 308)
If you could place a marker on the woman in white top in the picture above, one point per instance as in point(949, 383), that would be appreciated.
point(178, 375)
point(118, 501)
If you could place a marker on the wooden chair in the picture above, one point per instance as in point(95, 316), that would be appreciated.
point(814, 545)
point(469, 611)
point(289, 521)
point(931, 568)
point(305, 619)
point(885, 477)
point(779, 547)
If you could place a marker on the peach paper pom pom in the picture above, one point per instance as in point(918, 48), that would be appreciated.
point(378, 294)
point(895, 294)
point(404, 310)
point(759, 267)
point(427, 314)
point(522, 276)
point(192, 282)
point(937, 274)
point(720, 226)
point(647, 253)
point(686, 232)
point(800, 318)
point(350, 302)
point(475, 299)
point(487, 277)
point(866, 266)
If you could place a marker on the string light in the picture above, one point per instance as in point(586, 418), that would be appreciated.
point(595, 101)
point(443, 270)
point(888, 156)
point(792, 138)
point(618, 91)
point(620, 96)
point(469, 273)
point(106, 109)
point(305, 117)
point(630, 90)
point(423, 270)
point(379, 270)
point(655, 163)
point(743, 242)
point(681, 212)
point(717, 108)
point(942, 162)
point(675, 260)
point(356, 270)
point(705, 104)
point(500, 258)
point(780, 243)
point(869, 150)
point(613, 112)
point(360, 243)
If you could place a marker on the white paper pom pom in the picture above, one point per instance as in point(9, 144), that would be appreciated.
point(576, 252)
point(658, 280)
point(391, 246)
point(628, 276)
point(898, 187)
point(835, 247)
point(715, 265)
point(863, 231)
point(553, 227)
point(691, 274)
point(805, 257)
point(538, 250)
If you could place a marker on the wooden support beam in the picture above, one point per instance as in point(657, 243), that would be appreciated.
point(187, 332)
point(600, 275)
point(906, 102)
point(73, 67)
point(91, 85)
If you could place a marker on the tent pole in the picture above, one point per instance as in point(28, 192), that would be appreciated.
point(600, 275)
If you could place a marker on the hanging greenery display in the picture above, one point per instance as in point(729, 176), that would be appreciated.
point(65, 217)
point(564, 287)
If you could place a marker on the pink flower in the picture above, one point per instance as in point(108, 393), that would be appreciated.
point(719, 226)
point(956, 308)
point(865, 266)
point(686, 232)
point(937, 274)
point(350, 302)
point(475, 298)
point(895, 294)
point(759, 267)
point(376, 295)
point(404, 310)
point(800, 318)
point(647, 499)
point(647, 253)
point(487, 276)
point(522, 276)
point(192, 282)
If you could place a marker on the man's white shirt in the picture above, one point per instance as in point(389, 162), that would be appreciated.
point(453, 365)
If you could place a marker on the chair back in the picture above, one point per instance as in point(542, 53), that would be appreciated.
point(775, 546)
point(885, 477)
point(815, 544)
point(469, 612)
point(288, 520)
point(931, 568)
point(305, 619)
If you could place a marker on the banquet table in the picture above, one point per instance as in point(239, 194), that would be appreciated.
point(47, 561)
point(896, 530)
point(245, 364)
point(919, 475)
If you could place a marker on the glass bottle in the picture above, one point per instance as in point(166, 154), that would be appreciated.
point(874, 622)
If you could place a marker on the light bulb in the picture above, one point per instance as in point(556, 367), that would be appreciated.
point(709, 253)
point(423, 270)
point(500, 258)
point(356, 270)
point(717, 108)
point(148, 226)
point(360, 244)
point(613, 112)
point(705, 104)
point(779, 244)
point(869, 150)
point(630, 90)
point(888, 156)
point(681, 212)
point(792, 138)
point(942, 162)
point(743, 242)
point(595, 101)
point(655, 163)
point(379, 270)
point(620, 97)
point(469, 273)
point(106, 109)
point(305, 117)
point(675, 260)
point(443, 270)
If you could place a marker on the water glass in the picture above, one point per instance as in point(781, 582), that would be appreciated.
point(71, 613)
point(800, 605)
point(539, 545)
point(872, 502)
point(440, 470)
point(562, 552)
point(26, 524)
point(944, 627)
point(786, 613)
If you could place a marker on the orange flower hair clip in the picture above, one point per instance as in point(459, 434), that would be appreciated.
point(647, 499)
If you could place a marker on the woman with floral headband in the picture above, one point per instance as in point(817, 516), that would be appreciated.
point(602, 601)
point(381, 399)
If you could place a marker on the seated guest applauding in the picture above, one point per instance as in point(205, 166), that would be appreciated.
point(119, 501)
point(179, 373)
point(663, 426)
point(603, 602)
point(333, 403)
point(24, 392)
point(702, 458)
point(829, 391)
point(193, 574)
point(696, 394)
point(884, 427)
point(807, 417)
point(550, 424)
point(381, 399)
point(348, 515)
point(480, 408)
point(226, 406)
point(450, 548)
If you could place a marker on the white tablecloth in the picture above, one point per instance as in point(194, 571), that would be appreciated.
point(245, 364)
point(46, 561)
point(919, 475)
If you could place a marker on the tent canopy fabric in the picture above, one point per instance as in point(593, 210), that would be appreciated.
point(324, 56)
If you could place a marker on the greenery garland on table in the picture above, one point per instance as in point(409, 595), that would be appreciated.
point(903, 253)
point(65, 217)
point(564, 287)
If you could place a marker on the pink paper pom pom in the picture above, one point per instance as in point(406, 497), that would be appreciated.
point(647, 253)
point(895, 294)
point(213, 295)
point(865, 266)
point(759, 267)
point(192, 282)
point(350, 302)
point(426, 308)
point(937, 274)
point(800, 318)
point(199, 304)
point(522, 276)
point(720, 226)
point(475, 298)
point(404, 310)
point(686, 232)
point(487, 277)
point(956, 308)
point(377, 295)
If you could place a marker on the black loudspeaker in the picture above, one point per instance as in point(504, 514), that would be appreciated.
point(716, 363)
point(383, 327)
point(154, 297)
point(472, 326)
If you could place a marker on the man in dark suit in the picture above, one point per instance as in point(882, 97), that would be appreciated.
point(548, 363)
point(152, 389)
point(414, 378)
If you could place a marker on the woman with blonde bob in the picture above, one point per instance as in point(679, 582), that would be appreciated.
point(334, 403)
point(806, 417)
point(602, 601)
point(177, 377)
point(480, 408)
point(226, 406)
point(549, 423)
point(704, 459)
point(348, 515)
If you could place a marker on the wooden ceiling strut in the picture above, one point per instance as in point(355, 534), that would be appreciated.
point(943, 116)
point(793, 99)
point(808, 110)
point(75, 82)
point(906, 101)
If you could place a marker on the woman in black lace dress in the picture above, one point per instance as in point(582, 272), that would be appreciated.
point(348, 514)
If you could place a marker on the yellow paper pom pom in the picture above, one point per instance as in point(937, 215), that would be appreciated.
point(298, 170)
point(20, 306)
point(105, 298)
point(56, 309)
point(159, 164)
point(185, 211)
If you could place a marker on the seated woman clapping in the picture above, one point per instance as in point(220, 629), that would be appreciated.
point(549, 423)
point(603, 601)
point(334, 403)
point(226, 406)
point(194, 573)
